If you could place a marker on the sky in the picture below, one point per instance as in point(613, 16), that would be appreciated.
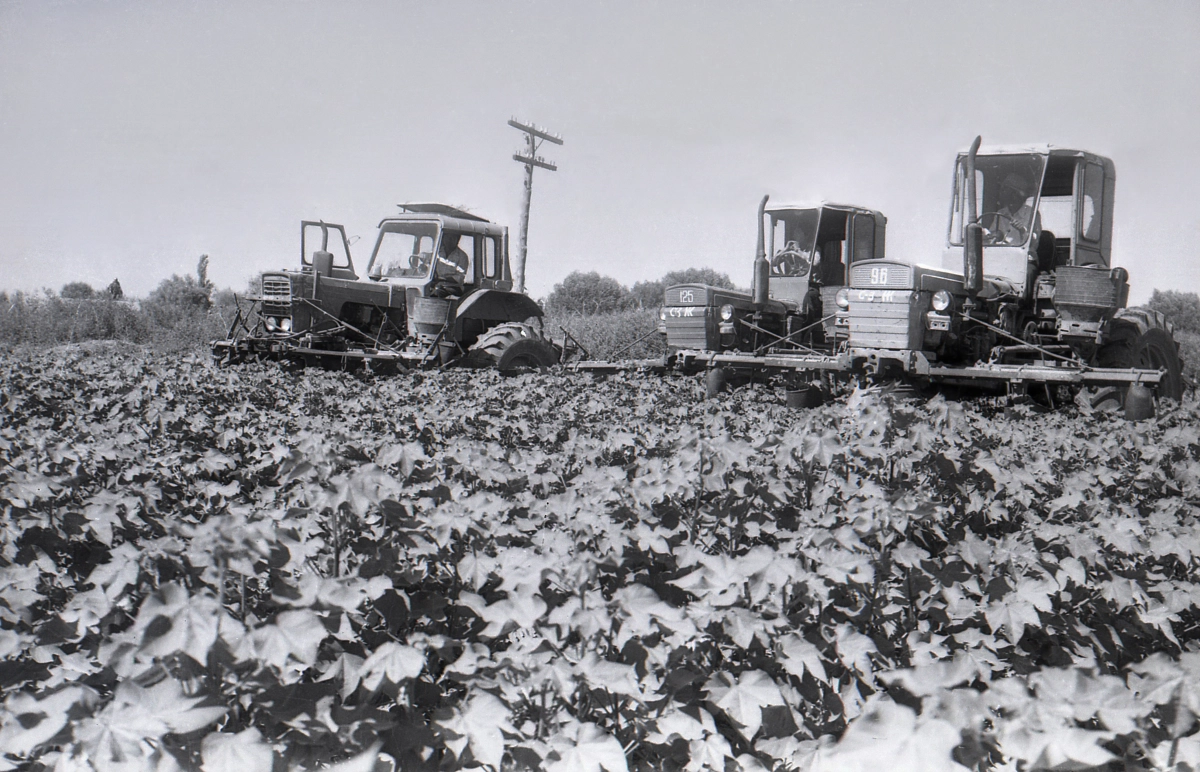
point(137, 135)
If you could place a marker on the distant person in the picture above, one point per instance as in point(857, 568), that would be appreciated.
point(450, 272)
point(114, 290)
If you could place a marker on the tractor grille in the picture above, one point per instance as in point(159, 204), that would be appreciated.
point(881, 320)
point(688, 332)
point(276, 289)
point(1075, 285)
point(886, 275)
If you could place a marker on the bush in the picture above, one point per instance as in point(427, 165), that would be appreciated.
point(177, 299)
point(589, 293)
point(612, 335)
point(1189, 352)
point(48, 320)
point(78, 290)
point(649, 294)
point(1182, 308)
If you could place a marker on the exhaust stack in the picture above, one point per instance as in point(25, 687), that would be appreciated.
point(762, 269)
point(972, 234)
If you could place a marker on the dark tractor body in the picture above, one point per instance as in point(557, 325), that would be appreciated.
point(437, 290)
point(1025, 297)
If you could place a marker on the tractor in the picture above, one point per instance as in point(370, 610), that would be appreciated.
point(1025, 300)
point(791, 321)
point(438, 291)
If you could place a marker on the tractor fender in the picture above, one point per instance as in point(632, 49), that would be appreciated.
point(498, 306)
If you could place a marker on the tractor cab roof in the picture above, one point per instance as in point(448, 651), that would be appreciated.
point(1044, 150)
point(449, 217)
point(810, 205)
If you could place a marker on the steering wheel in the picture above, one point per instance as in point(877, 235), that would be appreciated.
point(790, 263)
point(997, 218)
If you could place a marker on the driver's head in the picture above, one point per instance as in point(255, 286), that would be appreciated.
point(1014, 190)
point(449, 242)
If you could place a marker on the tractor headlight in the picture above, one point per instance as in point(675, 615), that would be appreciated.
point(941, 300)
point(726, 312)
point(272, 323)
point(286, 324)
point(842, 298)
point(662, 314)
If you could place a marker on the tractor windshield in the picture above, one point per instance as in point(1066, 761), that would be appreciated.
point(793, 241)
point(404, 250)
point(1006, 198)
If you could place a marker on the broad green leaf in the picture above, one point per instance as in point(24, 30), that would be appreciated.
point(480, 723)
point(593, 750)
point(245, 751)
point(293, 637)
point(137, 718)
point(30, 721)
point(891, 734)
point(743, 697)
point(392, 661)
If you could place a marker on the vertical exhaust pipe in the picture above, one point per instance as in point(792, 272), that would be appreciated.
point(972, 234)
point(762, 269)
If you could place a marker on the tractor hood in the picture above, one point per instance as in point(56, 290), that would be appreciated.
point(706, 295)
point(894, 275)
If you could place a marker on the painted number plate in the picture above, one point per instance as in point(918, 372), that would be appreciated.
point(880, 296)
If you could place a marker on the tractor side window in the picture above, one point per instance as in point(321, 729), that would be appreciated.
point(311, 239)
point(469, 244)
point(1092, 205)
point(491, 266)
point(864, 238)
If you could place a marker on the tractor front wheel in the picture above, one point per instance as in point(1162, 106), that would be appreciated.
point(1144, 339)
point(512, 348)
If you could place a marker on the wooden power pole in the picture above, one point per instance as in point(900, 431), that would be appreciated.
point(533, 140)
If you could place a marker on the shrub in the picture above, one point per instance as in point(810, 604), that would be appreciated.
point(177, 300)
point(47, 320)
point(1182, 308)
point(589, 293)
point(1189, 352)
point(78, 290)
point(628, 334)
point(649, 294)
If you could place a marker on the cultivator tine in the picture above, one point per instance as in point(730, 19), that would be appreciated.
point(620, 351)
point(586, 354)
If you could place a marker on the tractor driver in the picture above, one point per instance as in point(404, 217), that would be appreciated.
point(450, 272)
point(1010, 223)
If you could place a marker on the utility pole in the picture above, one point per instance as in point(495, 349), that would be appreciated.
point(533, 140)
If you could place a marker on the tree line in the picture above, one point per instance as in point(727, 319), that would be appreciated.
point(592, 293)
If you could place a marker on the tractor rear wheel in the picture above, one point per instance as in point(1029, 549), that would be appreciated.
point(1144, 339)
point(511, 348)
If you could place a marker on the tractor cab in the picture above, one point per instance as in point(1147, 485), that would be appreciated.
point(440, 250)
point(1040, 208)
point(812, 245)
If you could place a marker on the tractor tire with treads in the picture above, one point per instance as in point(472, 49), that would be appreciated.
point(1143, 338)
point(513, 347)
